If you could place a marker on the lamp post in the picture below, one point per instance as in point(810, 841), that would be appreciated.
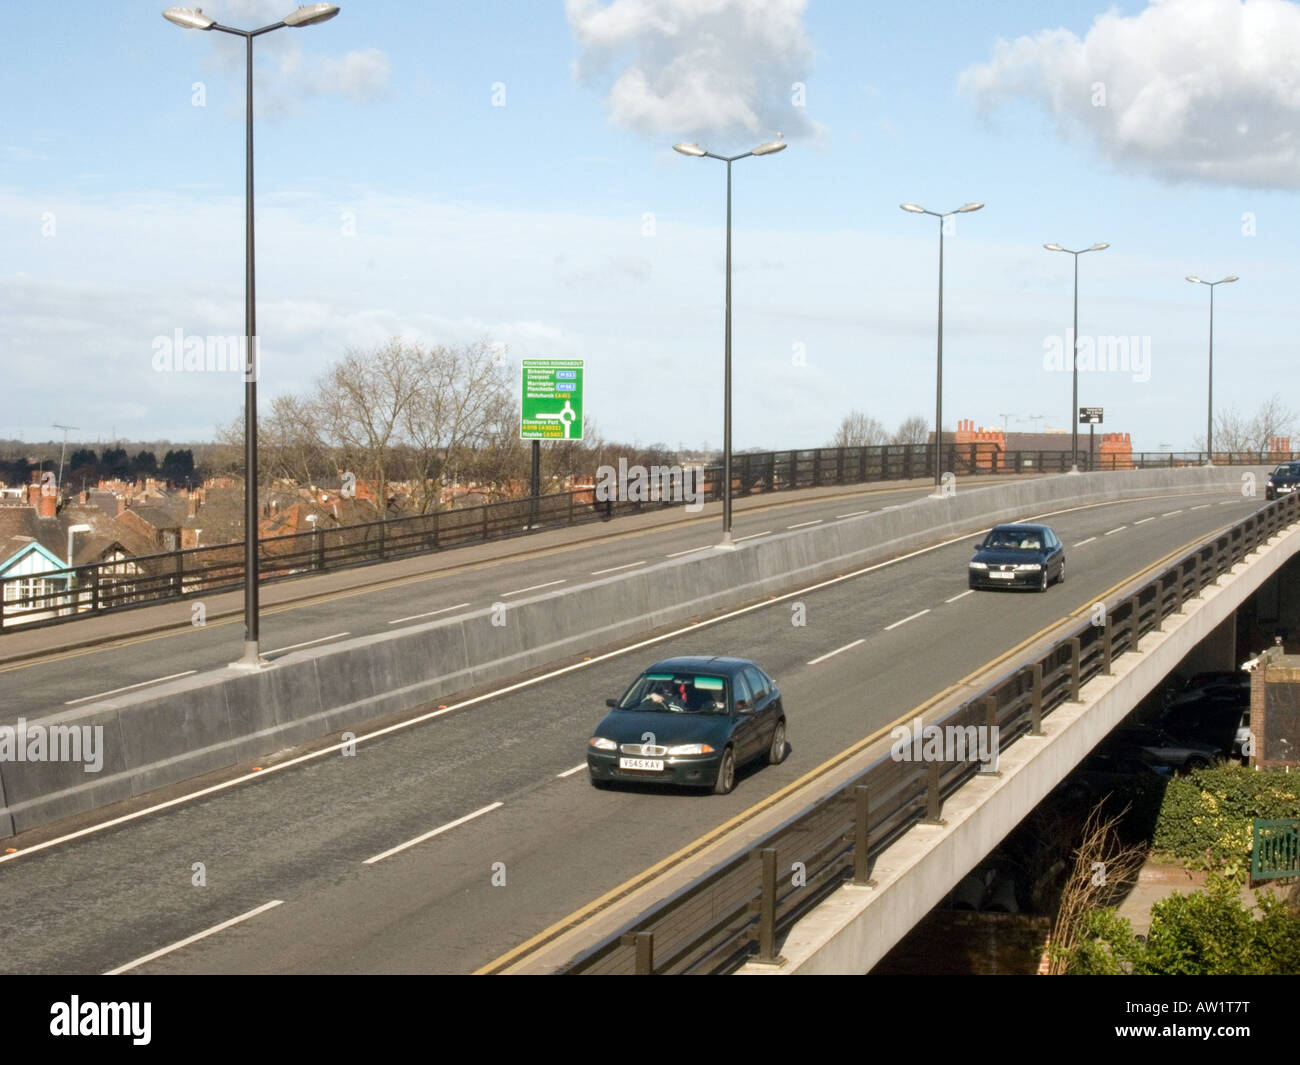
point(694, 150)
point(1209, 414)
point(938, 377)
point(1074, 354)
point(307, 15)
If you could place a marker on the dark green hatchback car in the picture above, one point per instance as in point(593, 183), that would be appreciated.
point(692, 721)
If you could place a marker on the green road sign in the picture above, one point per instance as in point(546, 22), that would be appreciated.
point(550, 404)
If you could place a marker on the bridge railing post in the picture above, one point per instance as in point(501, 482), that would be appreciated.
point(933, 797)
point(861, 842)
point(767, 910)
point(1036, 700)
point(644, 944)
point(1134, 622)
point(1076, 680)
point(1107, 646)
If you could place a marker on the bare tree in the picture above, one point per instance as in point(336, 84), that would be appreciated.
point(913, 430)
point(1234, 432)
point(858, 430)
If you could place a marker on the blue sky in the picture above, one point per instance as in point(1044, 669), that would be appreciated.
point(393, 197)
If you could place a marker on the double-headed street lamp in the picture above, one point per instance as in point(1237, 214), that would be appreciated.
point(307, 15)
point(769, 148)
point(938, 378)
point(1209, 415)
point(1074, 353)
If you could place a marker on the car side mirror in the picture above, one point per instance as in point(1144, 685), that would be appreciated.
point(743, 706)
point(611, 702)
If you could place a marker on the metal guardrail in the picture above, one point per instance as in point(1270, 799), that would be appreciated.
point(144, 580)
point(737, 911)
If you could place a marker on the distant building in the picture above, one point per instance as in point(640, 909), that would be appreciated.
point(1114, 451)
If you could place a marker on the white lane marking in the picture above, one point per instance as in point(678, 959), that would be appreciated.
point(435, 832)
point(1171, 513)
point(533, 588)
point(688, 551)
point(1082, 542)
point(196, 937)
point(575, 769)
point(431, 613)
point(832, 654)
point(1143, 521)
point(1199, 506)
point(306, 643)
point(1227, 502)
point(894, 507)
point(910, 617)
point(1112, 531)
point(805, 524)
point(129, 687)
point(751, 536)
point(853, 514)
point(962, 595)
point(421, 718)
point(613, 569)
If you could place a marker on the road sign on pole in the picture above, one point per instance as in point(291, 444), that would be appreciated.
point(1090, 415)
point(550, 403)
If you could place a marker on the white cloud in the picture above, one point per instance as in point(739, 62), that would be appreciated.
point(687, 68)
point(1186, 90)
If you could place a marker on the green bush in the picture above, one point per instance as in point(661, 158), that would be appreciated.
point(1206, 933)
point(1205, 817)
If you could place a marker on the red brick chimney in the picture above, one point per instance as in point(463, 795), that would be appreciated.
point(46, 504)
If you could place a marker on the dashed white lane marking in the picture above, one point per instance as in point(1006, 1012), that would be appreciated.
point(751, 536)
point(196, 937)
point(1170, 513)
point(805, 524)
point(962, 595)
point(306, 643)
point(615, 569)
point(433, 832)
point(1199, 506)
point(129, 687)
point(853, 514)
point(1113, 531)
point(688, 551)
point(534, 587)
point(832, 654)
point(910, 617)
point(1143, 521)
point(1087, 541)
point(575, 769)
point(431, 613)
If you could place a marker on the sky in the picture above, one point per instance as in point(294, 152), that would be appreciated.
point(504, 170)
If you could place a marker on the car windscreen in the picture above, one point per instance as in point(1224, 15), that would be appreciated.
point(1013, 540)
point(677, 692)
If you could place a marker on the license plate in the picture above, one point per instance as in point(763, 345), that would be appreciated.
point(1002, 576)
point(641, 763)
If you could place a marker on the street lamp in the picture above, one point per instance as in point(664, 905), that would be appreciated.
point(938, 378)
point(306, 15)
point(695, 151)
point(1209, 415)
point(1074, 354)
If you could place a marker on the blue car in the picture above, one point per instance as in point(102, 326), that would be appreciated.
point(1018, 556)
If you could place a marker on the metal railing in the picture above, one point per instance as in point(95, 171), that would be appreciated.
point(738, 910)
point(58, 596)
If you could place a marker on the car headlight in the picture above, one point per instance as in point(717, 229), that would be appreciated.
point(602, 744)
point(1028, 566)
point(979, 565)
point(691, 748)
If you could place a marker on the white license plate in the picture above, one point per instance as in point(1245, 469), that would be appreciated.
point(1002, 576)
point(641, 763)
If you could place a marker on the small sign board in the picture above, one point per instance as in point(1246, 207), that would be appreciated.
point(1090, 415)
point(550, 402)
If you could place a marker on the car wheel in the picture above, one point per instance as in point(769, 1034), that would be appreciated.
point(1060, 577)
point(726, 774)
point(776, 753)
point(1042, 582)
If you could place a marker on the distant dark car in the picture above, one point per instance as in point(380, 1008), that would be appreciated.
point(1157, 746)
point(1018, 556)
point(692, 721)
point(1283, 480)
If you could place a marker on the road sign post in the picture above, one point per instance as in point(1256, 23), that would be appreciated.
point(550, 408)
point(1091, 417)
